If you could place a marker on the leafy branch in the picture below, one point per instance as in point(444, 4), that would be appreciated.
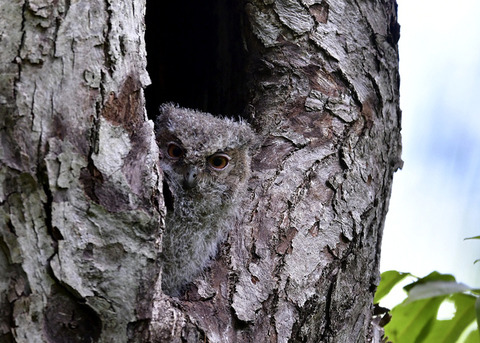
point(416, 318)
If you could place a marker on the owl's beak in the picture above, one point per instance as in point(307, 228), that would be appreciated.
point(190, 178)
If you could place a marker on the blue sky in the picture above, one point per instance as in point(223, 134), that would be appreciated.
point(435, 202)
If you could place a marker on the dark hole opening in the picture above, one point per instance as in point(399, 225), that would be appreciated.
point(195, 55)
point(168, 197)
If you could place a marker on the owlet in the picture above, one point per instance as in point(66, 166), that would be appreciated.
point(206, 165)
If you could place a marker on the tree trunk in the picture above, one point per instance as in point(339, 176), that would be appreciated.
point(81, 193)
point(80, 203)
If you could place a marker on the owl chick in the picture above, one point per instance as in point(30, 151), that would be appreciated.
point(206, 164)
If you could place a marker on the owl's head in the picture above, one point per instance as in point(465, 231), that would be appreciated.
point(202, 154)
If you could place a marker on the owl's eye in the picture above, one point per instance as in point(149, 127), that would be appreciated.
point(218, 161)
point(175, 151)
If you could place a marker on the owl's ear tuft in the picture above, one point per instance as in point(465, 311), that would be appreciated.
point(167, 107)
point(248, 136)
point(165, 111)
point(163, 120)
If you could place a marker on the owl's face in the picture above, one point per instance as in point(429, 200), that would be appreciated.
point(202, 156)
point(200, 172)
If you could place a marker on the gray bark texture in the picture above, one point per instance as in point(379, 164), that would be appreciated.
point(81, 205)
point(79, 177)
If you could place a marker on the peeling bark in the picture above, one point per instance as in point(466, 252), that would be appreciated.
point(81, 205)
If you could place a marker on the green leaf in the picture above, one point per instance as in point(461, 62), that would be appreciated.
point(447, 331)
point(434, 276)
point(473, 337)
point(476, 237)
point(411, 322)
point(389, 279)
point(477, 312)
point(434, 289)
point(417, 321)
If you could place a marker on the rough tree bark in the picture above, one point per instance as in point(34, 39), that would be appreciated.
point(79, 193)
point(80, 190)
